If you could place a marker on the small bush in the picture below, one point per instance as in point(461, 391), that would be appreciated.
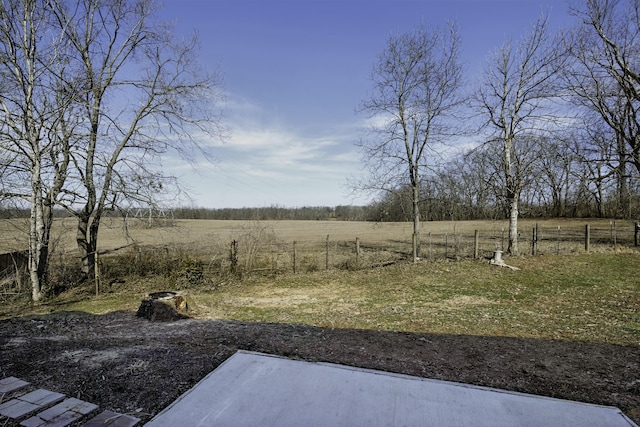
point(310, 264)
point(191, 274)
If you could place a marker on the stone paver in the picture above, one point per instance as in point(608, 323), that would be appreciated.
point(61, 415)
point(10, 384)
point(28, 403)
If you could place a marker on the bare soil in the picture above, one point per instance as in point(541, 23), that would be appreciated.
point(130, 365)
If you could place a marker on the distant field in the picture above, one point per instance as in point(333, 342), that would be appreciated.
point(439, 239)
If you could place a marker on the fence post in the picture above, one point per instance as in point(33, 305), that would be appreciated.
point(455, 242)
point(357, 251)
point(611, 233)
point(587, 237)
point(558, 242)
point(534, 241)
point(615, 234)
point(233, 256)
point(446, 245)
point(502, 244)
point(475, 244)
point(326, 254)
point(635, 233)
point(294, 257)
point(96, 271)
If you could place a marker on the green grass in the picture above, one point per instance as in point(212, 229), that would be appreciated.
point(549, 300)
point(585, 297)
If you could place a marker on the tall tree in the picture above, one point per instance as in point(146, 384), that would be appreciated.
point(141, 95)
point(514, 97)
point(556, 166)
point(605, 79)
point(36, 124)
point(415, 92)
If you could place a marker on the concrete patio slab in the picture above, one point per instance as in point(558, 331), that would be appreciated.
point(112, 419)
point(253, 389)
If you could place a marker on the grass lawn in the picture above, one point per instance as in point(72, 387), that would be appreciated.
point(581, 297)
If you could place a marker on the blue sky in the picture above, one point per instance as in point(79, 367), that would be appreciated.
point(294, 72)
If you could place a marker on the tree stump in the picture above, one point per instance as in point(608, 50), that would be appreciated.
point(163, 307)
point(497, 260)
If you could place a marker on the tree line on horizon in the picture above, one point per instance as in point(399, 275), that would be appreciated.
point(445, 200)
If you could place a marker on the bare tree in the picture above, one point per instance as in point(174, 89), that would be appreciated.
point(92, 92)
point(514, 96)
point(556, 164)
point(596, 148)
point(36, 123)
point(605, 79)
point(141, 95)
point(415, 92)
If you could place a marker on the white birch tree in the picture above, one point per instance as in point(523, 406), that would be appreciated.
point(514, 98)
point(36, 124)
point(416, 83)
point(92, 93)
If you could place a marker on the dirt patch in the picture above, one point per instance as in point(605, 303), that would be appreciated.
point(130, 365)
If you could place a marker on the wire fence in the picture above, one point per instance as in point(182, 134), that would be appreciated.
point(264, 248)
point(268, 253)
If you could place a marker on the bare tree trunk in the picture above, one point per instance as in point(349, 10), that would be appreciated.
point(416, 222)
point(621, 177)
point(513, 226)
point(34, 262)
point(513, 195)
point(85, 248)
point(36, 234)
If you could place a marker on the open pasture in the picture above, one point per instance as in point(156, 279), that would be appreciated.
point(314, 240)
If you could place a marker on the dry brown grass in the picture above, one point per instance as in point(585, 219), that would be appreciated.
point(271, 247)
point(205, 234)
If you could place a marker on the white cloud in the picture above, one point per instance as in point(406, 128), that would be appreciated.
point(266, 162)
